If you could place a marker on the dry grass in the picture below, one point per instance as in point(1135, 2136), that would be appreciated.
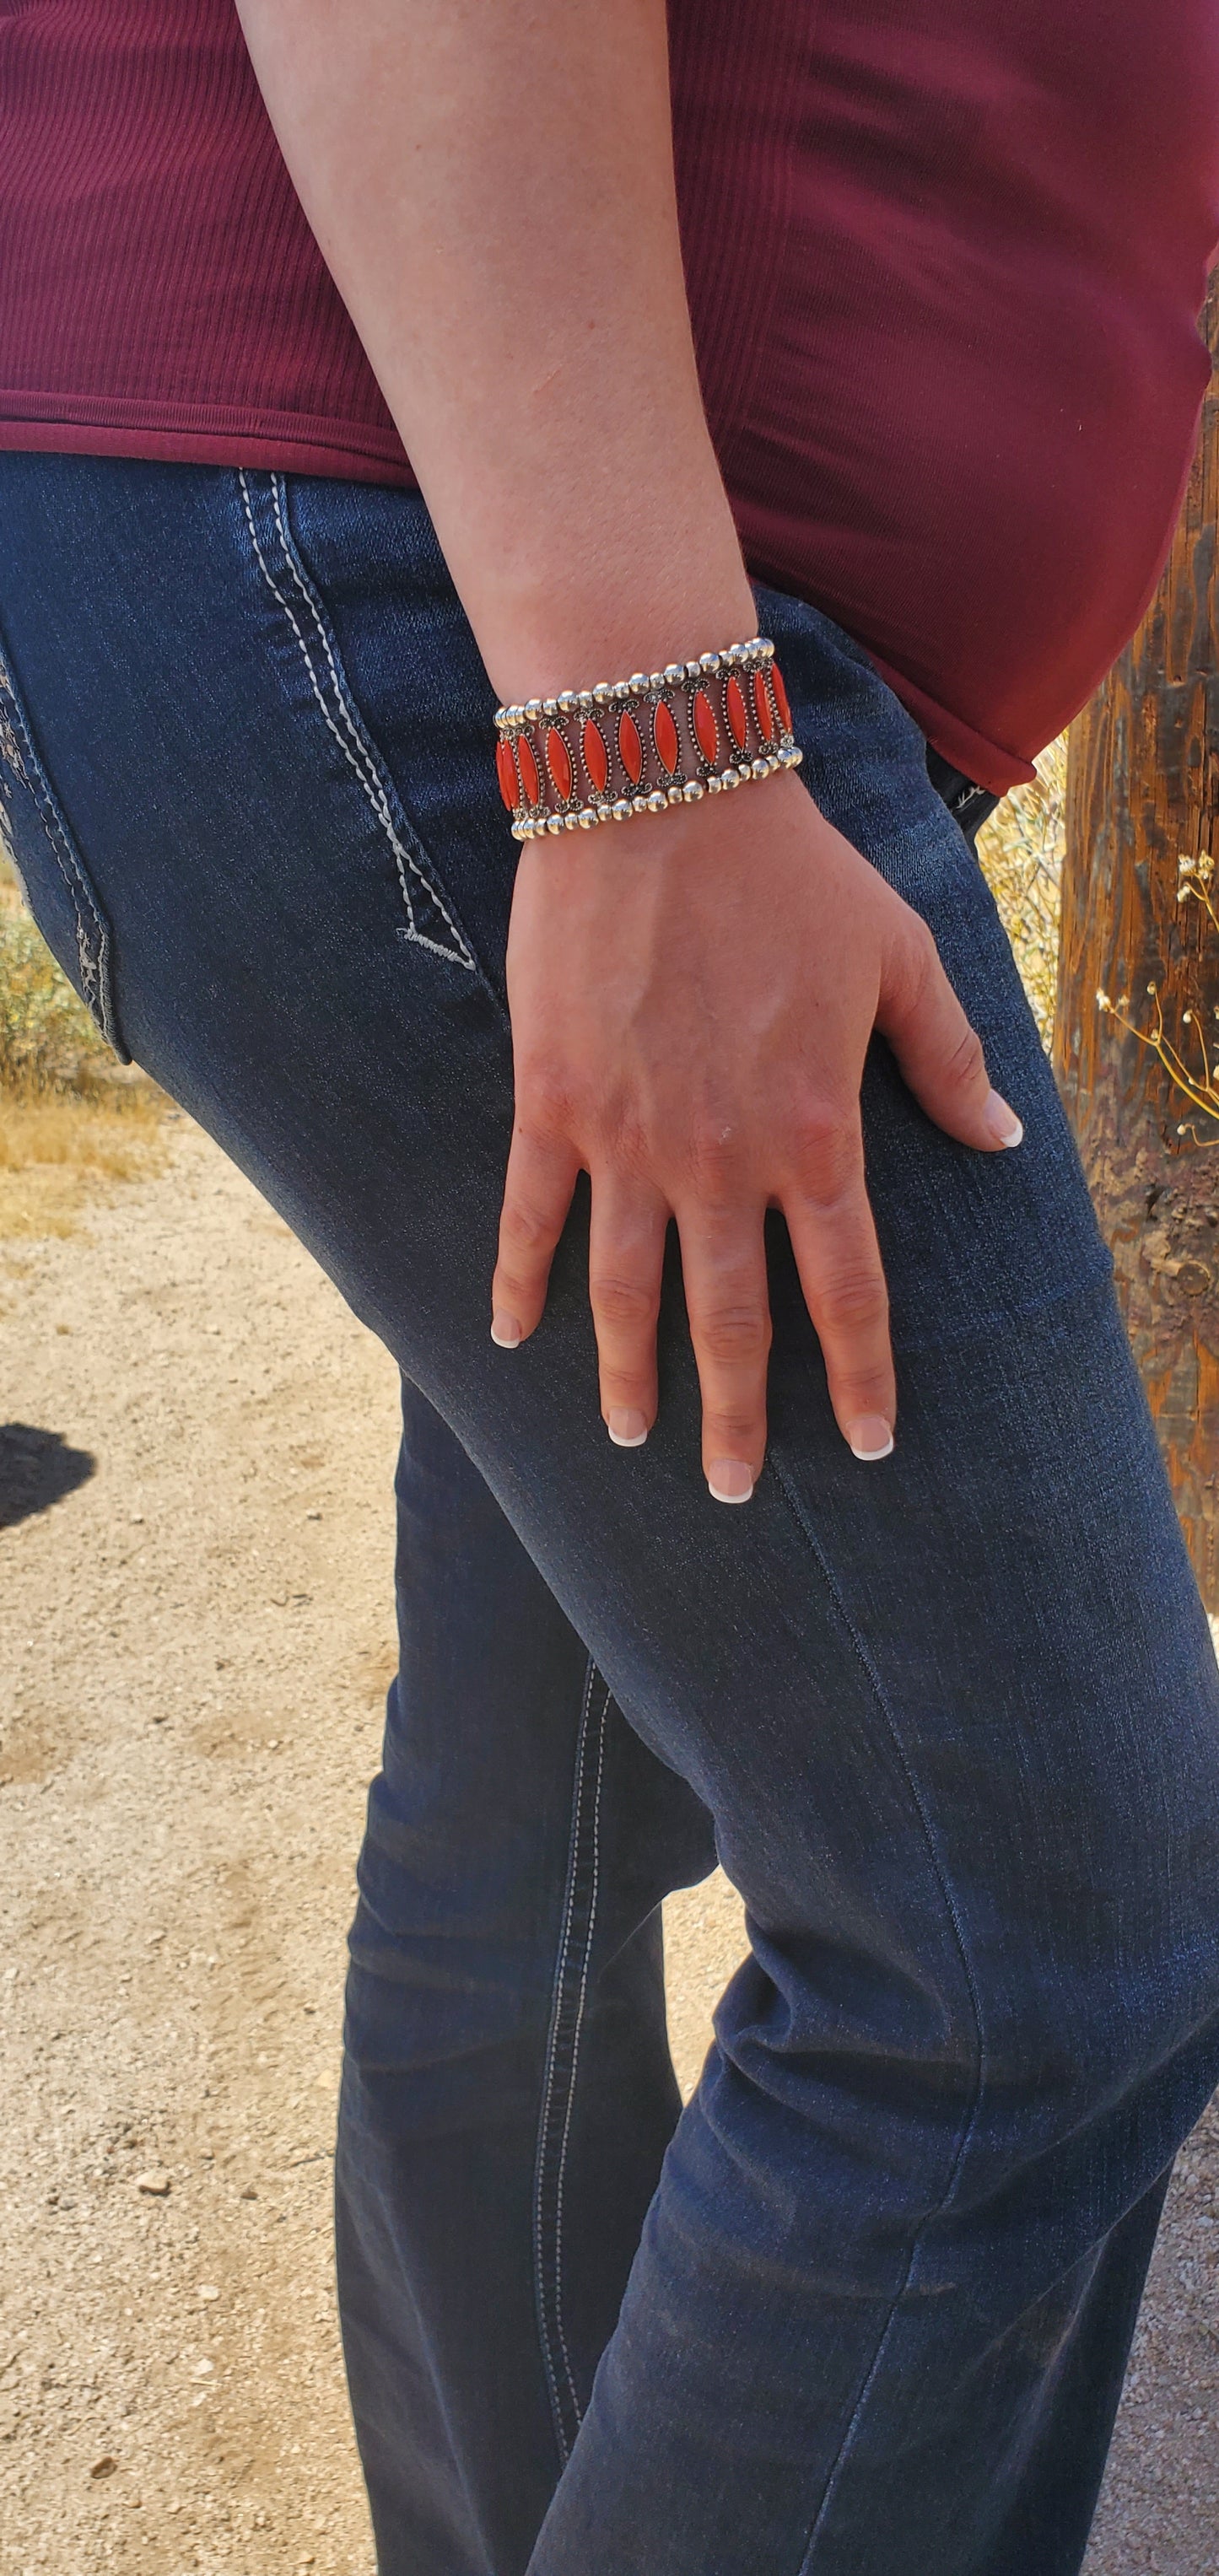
point(1021, 852)
point(72, 1122)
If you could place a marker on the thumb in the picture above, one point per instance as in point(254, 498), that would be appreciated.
point(939, 1053)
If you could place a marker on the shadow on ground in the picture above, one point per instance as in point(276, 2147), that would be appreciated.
point(37, 1469)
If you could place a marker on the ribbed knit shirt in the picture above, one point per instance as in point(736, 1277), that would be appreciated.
point(944, 259)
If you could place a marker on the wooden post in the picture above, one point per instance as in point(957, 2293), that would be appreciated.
point(1142, 822)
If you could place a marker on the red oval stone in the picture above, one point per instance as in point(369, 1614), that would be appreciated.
point(706, 730)
point(765, 713)
point(558, 762)
point(630, 748)
point(506, 772)
point(530, 775)
point(664, 735)
point(734, 709)
point(776, 682)
point(596, 757)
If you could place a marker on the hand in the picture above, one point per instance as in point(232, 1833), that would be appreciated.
point(692, 996)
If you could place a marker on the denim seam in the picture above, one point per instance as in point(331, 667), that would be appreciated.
point(93, 954)
point(969, 2121)
point(359, 759)
point(581, 1999)
point(555, 2036)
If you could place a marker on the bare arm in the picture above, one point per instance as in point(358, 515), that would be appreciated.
point(491, 184)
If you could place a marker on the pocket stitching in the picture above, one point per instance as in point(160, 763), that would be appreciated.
point(361, 759)
point(94, 959)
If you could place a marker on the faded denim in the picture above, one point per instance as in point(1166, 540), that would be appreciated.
point(951, 1722)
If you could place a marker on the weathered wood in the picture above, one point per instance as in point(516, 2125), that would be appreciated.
point(1142, 797)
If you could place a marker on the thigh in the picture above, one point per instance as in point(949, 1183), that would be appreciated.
point(955, 1715)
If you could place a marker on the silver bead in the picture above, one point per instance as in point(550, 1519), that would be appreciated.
point(624, 689)
point(765, 648)
point(567, 702)
point(674, 674)
point(554, 823)
point(550, 708)
point(673, 795)
point(692, 790)
point(710, 662)
point(655, 803)
point(584, 702)
point(586, 818)
point(623, 810)
point(640, 682)
point(639, 804)
point(656, 681)
point(571, 822)
point(602, 693)
point(759, 768)
point(745, 772)
point(728, 778)
point(532, 710)
point(715, 784)
point(694, 670)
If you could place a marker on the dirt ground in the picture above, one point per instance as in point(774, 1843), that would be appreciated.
point(195, 1636)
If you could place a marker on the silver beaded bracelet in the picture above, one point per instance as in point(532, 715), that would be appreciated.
point(660, 738)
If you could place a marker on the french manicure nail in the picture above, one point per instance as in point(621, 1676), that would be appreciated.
point(1002, 1121)
point(730, 1480)
point(870, 1436)
point(506, 1331)
point(627, 1427)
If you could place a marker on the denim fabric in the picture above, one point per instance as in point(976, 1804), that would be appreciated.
point(952, 1722)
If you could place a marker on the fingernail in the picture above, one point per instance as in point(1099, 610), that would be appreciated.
point(730, 1480)
point(870, 1436)
point(627, 1427)
point(505, 1330)
point(1002, 1121)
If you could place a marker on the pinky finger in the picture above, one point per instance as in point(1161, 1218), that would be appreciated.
point(537, 1195)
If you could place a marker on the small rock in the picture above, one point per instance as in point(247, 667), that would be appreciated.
point(156, 2182)
point(205, 2294)
point(249, 2192)
point(104, 2468)
point(203, 2369)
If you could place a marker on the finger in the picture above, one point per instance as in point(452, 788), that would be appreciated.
point(540, 1178)
point(727, 1300)
point(837, 1255)
point(939, 1053)
point(625, 1261)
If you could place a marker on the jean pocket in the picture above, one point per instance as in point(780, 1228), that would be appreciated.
point(317, 682)
point(56, 882)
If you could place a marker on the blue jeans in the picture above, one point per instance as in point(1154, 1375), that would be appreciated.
point(951, 1723)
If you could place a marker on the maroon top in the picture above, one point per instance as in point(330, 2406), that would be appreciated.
point(944, 263)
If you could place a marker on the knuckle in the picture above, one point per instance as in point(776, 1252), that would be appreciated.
point(825, 1144)
point(627, 1303)
point(854, 1301)
point(731, 1334)
point(713, 1154)
point(524, 1229)
point(545, 1101)
point(966, 1063)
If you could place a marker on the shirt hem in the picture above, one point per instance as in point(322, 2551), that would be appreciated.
point(168, 434)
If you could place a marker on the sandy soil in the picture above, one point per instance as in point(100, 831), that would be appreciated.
point(195, 1634)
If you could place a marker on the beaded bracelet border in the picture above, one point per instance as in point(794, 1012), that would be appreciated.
point(660, 738)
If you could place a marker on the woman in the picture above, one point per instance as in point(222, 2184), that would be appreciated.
point(901, 303)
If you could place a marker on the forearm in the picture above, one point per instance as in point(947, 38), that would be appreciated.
point(491, 185)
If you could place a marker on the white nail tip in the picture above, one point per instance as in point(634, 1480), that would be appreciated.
point(868, 1454)
point(636, 1440)
point(718, 1497)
